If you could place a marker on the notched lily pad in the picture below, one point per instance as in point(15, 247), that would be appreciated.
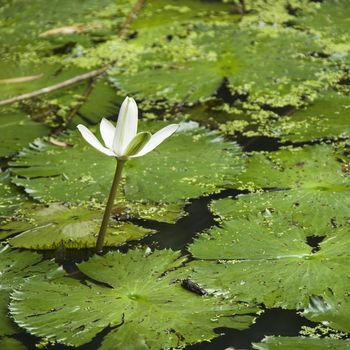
point(54, 226)
point(300, 343)
point(268, 261)
point(131, 293)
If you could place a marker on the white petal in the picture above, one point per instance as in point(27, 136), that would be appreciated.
point(93, 141)
point(126, 126)
point(157, 139)
point(107, 130)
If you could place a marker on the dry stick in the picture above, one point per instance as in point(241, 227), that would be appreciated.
point(46, 90)
point(79, 78)
point(132, 16)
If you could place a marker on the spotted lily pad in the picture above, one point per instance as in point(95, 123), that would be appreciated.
point(15, 267)
point(300, 343)
point(58, 225)
point(326, 116)
point(311, 177)
point(269, 261)
point(311, 169)
point(190, 164)
point(143, 306)
point(329, 21)
point(193, 65)
point(293, 207)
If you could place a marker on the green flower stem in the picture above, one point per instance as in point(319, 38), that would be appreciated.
point(109, 206)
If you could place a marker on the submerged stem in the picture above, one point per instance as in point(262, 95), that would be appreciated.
point(109, 206)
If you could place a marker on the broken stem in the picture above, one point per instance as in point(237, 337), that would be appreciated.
point(109, 206)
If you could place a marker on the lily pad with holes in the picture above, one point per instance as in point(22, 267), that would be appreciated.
point(57, 225)
point(17, 131)
point(330, 311)
point(191, 163)
point(300, 343)
point(15, 268)
point(268, 261)
point(144, 306)
point(325, 117)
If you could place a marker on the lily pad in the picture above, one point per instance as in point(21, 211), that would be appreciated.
point(329, 310)
point(268, 261)
point(10, 197)
point(11, 344)
point(16, 267)
point(326, 117)
point(329, 21)
point(310, 169)
point(190, 164)
point(57, 225)
point(317, 216)
point(293, 343)
point(193, 65)
point(17, 131)
point(65, 23)
point(133, 295)
point(313, 181)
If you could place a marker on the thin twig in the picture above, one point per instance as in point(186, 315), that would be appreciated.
point(46, 90)
point(131, 18)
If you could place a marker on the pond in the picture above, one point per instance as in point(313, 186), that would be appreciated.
point(230, 225)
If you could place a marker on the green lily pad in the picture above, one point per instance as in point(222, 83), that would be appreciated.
point(10, 197)
point(84, 23)
point(310, 169)
point(130, 293)
point(317, 216)
point(15, 268)
point(189, 164)
point(329, 21)
point(315, 184)
point(326, 116)
point(58, 225)
point(17, 131)
point(11, 344)
point(269, 261)
point(331, 311)
point(193, 65)
point(293, 343)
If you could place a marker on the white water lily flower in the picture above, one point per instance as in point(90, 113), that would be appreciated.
point(123, 141)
